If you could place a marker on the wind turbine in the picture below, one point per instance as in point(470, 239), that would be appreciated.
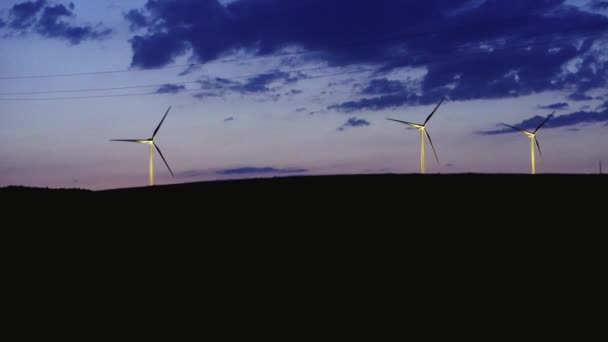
point(151, 145)
point(532, 136)
point(423, 132)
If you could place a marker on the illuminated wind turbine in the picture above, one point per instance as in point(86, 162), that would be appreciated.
point(423, 132)
point(152, 145)
point(532, 136)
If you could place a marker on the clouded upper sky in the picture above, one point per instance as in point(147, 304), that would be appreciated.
point(275, 87)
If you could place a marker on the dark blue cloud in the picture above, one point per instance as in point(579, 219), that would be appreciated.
point(301, 109)
point(294, 92)
point(392, 94)
point(136, 18)
point(51, 24)
point(598, 5)
point(260, 84)
point(354, 122)
point(24, 15)
point(51, 21)
point(258, 170)
point(174, 26)
point(556, 106)
point(566, 120)
point(579, 97)
point(470, 49)
point(383, 86)
point(592, 73)
point(2, 23)
point(170, 89)
point(375, 103)
point(229, 119)
point(156, 50)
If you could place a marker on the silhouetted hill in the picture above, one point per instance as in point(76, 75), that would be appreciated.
point(33, 191)
point(401, 197)
point(465, 242)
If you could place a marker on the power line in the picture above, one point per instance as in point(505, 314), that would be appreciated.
point(98, 89)
point(181, 91)
point(85, 97)
point(281, 54)
point(147, 85)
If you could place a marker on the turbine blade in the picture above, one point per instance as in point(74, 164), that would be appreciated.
point(128, 140)
point(433, 112)
point(433, 147)
point(544, 122)
point(161, 122)
point(538, 145)
point(515, 128)
point(405, 122)
point(161, 155)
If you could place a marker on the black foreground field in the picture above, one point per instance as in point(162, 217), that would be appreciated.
point(465, 247)
point(474, 214)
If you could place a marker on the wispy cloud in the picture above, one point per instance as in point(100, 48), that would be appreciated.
point(229, 119)
point(555, 106)
point(267, 84)
point(354, 122)
point(170, 89)
point(566, 120)
point(195, 173)
point(383, 86)
point(259, 170)
point(376, 103)
point(293, 92)
point(246, 170)
point(579, 97)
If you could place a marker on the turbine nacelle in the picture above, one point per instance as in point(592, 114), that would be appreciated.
point(150, 142)
point(533, 140)
point(411, 124)
point(423, 133)
point(140, 141)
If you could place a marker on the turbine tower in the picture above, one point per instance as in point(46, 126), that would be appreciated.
point(423, 132)
point(532, 136)
point(151, 145)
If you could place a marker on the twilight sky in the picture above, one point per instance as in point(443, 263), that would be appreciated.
point(286, 87)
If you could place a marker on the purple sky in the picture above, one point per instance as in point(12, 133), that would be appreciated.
point(323, 76)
